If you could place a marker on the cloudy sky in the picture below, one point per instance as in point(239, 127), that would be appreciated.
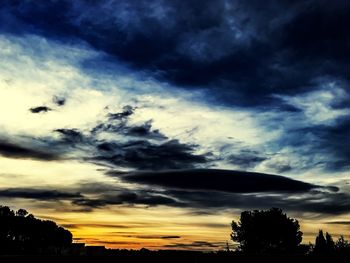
point(154, 123)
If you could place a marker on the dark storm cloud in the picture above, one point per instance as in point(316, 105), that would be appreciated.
point(233, 48)
point(108, 194)
point(118, 123)
point(98, 195)
point(12, 150)
point(38, 194)
point(125, 197)
point(126, 113)
point(101, 199)
point(71, 136)
point(59, 101)
point(210, 190)
point(322, 201)
point(40, 109)
point(145, 131)
point(152, 151)
point(144, 154)
point(218, 180)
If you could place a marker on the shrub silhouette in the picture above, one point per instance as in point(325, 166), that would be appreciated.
point(266, 231)
point(342, 245)
point(22, 233)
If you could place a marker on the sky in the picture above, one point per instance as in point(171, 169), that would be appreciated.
point(155, 123)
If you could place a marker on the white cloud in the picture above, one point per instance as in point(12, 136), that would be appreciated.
point(34, 70)
point(317, 104)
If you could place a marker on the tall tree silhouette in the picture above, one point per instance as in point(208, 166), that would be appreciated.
point(324, 245)
point(266, 231)
point(21, 232)
point(330, 243)
point(320, 242)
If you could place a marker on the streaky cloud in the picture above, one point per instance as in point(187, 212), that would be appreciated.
point(37, 194)
point(12, 150)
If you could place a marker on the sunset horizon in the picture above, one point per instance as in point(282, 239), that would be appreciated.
point(154, 124)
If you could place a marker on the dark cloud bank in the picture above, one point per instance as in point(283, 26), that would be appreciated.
point(219, 180)
point(144, 147)
point(219, 189)
point(181, 186)
point(233, 48)
point(39, 194)
point(15, 150)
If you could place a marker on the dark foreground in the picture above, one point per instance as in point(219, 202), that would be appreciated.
point(176, 258)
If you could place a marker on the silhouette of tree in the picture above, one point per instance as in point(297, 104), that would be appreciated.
point(266, 231)
point(6, 212)
point(330, 243)
point(342, 245)
point(320, 242)
point(21, 212)
point(21, 233)
point(324, 245)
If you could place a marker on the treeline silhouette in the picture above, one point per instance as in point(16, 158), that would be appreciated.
point(22, 233)
point(273, 232)
point(324, 244)
point(258, 232)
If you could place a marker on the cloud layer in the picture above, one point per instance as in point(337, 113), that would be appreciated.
point(219, 180)
point(179, 105)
